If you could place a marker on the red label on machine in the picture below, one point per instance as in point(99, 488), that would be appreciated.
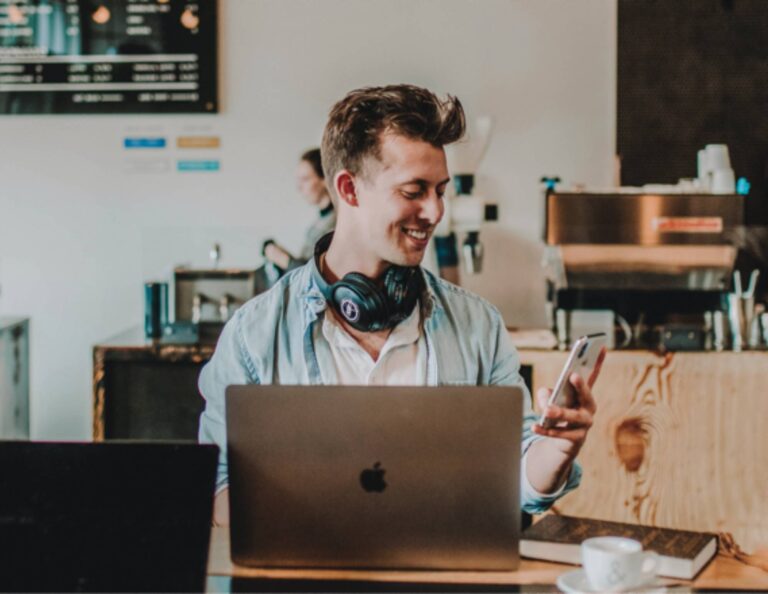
point(688, 224)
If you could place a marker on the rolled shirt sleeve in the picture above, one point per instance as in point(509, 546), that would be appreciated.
point(534, 502)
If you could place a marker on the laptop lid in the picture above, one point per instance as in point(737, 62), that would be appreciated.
point(105, 517)
point(379, 477)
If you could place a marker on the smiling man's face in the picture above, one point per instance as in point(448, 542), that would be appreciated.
point(400, 199)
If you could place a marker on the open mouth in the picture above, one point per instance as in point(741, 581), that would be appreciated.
point(419, 235)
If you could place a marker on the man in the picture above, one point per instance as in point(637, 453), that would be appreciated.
point(397, 324)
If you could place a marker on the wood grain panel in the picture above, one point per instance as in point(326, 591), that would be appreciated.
point(679, 440)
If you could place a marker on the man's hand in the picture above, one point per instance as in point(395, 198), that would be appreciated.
point(571, 425)
point(549, 460)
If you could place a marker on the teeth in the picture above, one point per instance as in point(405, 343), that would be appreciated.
point(421, 235)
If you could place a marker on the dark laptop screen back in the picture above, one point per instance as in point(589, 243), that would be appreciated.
point(105, 517)
point(375, 476)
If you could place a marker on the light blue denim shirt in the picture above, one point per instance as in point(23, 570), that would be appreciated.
point(270, 341)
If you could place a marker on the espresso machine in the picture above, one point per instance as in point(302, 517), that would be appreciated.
point(653, 270)
point(207, 298)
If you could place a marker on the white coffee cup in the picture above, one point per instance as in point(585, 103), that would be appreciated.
point(717, 157)
point(723, 181)
point(614, 563)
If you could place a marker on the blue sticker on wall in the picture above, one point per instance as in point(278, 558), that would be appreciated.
point(144, 143)
point(199, 165)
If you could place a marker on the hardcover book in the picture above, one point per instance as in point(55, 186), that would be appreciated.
point(558, 538)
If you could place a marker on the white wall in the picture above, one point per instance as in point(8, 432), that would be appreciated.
point(79, 234)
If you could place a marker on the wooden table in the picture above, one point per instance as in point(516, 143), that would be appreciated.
point(722, 573)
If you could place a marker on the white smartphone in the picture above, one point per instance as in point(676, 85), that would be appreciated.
point(581, 360)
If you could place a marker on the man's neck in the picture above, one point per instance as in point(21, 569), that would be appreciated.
point(345, 255)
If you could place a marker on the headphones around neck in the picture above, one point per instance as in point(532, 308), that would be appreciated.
point(362, 303)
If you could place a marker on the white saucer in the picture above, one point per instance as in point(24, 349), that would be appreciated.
point(576, 581)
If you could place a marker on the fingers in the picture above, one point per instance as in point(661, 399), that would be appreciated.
point(587, 404)
point(574, 417)
point(577, 436)
point(585, 398)
point(571, 424)
point(598, 365)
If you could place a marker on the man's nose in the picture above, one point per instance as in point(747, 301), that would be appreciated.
point(432, 208)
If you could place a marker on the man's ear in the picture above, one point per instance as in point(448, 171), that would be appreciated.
point(344, 182)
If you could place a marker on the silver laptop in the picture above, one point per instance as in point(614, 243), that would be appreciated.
point(375, 477)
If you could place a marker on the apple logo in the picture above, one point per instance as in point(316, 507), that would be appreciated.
point(372, 479)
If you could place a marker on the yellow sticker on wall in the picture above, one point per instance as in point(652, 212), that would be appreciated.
point(194, 142)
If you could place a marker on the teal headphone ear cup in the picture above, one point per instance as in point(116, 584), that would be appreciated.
point(403, 286)
point(360, 302)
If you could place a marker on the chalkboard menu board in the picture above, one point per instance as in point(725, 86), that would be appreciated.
point(107, 56)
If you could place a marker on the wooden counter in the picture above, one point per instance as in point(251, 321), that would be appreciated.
point(147, 388)
point(679, 440)
point(723, 573)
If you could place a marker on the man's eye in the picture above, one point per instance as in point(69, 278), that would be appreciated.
point(412, 195)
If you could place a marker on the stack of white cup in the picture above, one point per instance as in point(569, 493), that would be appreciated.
point(714, 169)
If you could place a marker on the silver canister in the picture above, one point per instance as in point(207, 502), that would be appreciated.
point(754, 330)
point(718, 330)
point(736, 322)
point(764, 327)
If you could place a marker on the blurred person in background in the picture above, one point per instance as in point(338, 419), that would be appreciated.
point(310, 181)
